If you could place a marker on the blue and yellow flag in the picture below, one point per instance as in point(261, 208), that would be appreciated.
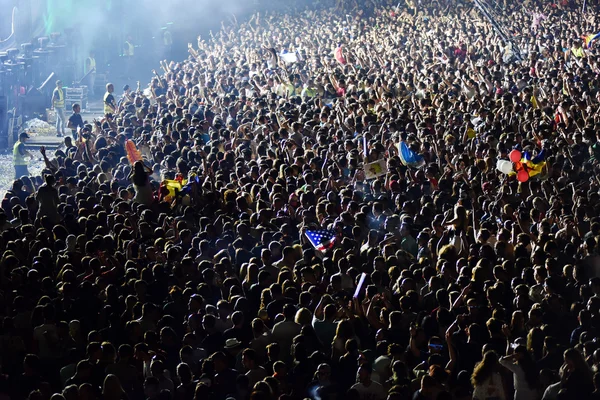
point(590, 38)
point(536, 164)
point(409, 157)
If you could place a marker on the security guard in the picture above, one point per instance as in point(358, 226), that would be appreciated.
point(90, 68)
point(110, 105)
point(309, 90)
point(58, 104)
point(19, 154)
point(577, 50)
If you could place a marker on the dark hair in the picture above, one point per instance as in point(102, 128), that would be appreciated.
point(140, 176)
point(528, 365)
point(249, 354)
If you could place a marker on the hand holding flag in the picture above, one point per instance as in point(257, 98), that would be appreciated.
point(408, 157)
point(591, 38)
point(321, 239)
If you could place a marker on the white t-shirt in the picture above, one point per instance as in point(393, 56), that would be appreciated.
point(382, 366)
point(256, 375)
point(373, 392)
point(491, 387)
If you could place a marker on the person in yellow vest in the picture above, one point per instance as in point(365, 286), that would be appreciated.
point(19, 154)
point(58, 104)
point(90, 68)
point(110, 105)
point(577, 50)
point(309, 90)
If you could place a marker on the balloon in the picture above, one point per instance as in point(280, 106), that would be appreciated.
point(133, 154)
point(515, 155)
point(522, 176)
point(504, 166)
point(518, 166)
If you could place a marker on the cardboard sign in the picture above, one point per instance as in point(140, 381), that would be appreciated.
point(375, 169)
point(289, 57)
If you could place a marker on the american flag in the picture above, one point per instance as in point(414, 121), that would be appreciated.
point(321, 239)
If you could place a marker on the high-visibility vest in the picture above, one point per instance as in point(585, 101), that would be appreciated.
point(577, 52)
point(310, 92)
point(60, 103)
point(92, 66)
point(18, 158)
point(291, 89)
point(107, 108)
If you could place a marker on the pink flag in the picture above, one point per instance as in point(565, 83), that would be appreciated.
point(339, 56)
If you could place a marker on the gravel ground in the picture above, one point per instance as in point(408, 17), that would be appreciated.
point(7, 171)
point(35, 128)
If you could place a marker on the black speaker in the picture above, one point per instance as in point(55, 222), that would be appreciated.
point(3, 123)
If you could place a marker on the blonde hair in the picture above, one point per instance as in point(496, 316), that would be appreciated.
point(485, 368)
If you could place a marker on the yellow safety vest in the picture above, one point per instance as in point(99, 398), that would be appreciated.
point(18, 158)
point(577, 52)
point(107, 108)
point(60, 103)
point(92, 66)
point(310, 92)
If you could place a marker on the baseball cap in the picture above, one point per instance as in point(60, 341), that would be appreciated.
point(24, 135)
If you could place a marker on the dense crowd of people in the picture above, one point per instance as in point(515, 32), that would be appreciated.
point(188, 273)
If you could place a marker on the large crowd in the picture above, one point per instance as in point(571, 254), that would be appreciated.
point(165, 255)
